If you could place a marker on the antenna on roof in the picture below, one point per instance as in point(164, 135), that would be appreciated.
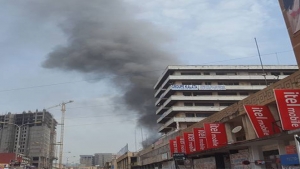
point(262, 67)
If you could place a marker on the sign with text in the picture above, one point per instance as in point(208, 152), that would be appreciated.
point(262, 120)
point(215, 135)
point(289, 159)
point(189, 142)
point(197, 87)
point(180, 144)
point(288, 103)
point(173, 147)
point(200, 139)
point(179, 156)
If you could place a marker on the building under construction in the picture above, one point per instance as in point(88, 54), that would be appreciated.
point(36, 139)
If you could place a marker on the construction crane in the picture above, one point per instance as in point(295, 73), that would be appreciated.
point(61, 143)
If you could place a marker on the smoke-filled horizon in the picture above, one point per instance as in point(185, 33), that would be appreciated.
point(105, 38)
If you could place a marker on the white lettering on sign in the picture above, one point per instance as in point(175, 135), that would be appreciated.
point(175, 147)
point(202, 136)
point(182, 145)
point(260, 118)
point(214, 128)
point(191, 140)
point(198, 87)
point(291, 102)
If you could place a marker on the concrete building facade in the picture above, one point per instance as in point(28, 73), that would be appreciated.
point(37, 136)
point(101, 159)
point(188, 94)
point(87, 160)
point(272, 149)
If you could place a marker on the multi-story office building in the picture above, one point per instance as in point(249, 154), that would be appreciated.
point(36, 136)
point(101, 158)
point(187, 94)
point(87, 160)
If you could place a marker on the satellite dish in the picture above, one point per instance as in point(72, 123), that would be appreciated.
point(236, 129)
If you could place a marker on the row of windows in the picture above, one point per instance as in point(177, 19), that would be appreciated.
point(236, 73)
point(226, 83)
point(218, 93)
point(197, 114)
point(206, 104)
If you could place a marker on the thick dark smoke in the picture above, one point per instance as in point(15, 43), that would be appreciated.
point(105, 38)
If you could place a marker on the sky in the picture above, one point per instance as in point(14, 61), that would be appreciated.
point(93, 53)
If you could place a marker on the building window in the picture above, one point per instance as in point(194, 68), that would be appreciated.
point(202, 93)
point(228, 83)
point(206, 73)
point(227, 93)
point(190, 73)
point(204, 104)
point(207, 83)
point(226, 104)
point(203, 114)
point(189, 115)
point(186, 83)
point(244, 93)
point(187, 93)
point(221, 73)
point(287, 73)
point(275, 73)
point(188, 104)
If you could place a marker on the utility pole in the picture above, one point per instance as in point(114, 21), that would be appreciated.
point(61, 145)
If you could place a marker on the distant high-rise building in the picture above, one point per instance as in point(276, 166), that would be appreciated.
point(102, 158)
point(87, 160)
point(37, 136)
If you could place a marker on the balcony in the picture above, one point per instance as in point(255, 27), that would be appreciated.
point(166, 93)
point(172, 110)
point(180, 120)
point(173, 99)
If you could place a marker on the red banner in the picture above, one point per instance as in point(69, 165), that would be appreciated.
point(262, 120)
point(200, 139)
point(215, 135)
point(180, 144)
point(173, 147)
point(288, 103)
point(189, 142)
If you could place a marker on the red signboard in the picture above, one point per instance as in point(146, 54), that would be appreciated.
point(290, 149)
point(215, 135)
point(189, 142)
point(180, 144)
point(262, 120)
point(200, 139)
point(173, 147)
point(288, 103)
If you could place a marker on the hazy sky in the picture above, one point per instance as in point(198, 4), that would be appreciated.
point(52, 51)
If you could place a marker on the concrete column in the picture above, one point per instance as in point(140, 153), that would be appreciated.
point(248, 128)
point(177, 125)
point(229, 134)
point(256, 154)
point(281, 146)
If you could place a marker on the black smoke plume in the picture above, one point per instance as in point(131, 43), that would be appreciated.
point(105, 37)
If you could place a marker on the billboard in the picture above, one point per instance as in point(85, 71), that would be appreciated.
point(200, 139)
point(262, 120)
point(288, 103)
point(291, 12)
point(180, 144)
point(189, 142)
point(173, 147)
point(215, 135)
